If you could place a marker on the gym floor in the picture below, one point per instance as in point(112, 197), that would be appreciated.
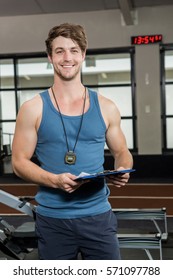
point(124, 227)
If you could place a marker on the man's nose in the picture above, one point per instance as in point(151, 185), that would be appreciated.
point(67, 55)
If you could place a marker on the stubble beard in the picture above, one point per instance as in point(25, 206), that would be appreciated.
point(64, 77)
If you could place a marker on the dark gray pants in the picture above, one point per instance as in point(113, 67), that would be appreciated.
point(93, 237)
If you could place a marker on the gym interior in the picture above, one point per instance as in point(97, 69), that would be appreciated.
point(129, 60)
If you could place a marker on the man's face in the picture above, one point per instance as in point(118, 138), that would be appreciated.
point(66, 58)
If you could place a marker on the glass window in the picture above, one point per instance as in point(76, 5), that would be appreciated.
point(7, 105)
point(7, 132)
point(169, 134)
point(167, 96)
point(169, 65)
point(169, 99)
point(34, 72)
point(6, 73)
point(103, 69)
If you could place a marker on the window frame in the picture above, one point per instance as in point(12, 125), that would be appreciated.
point(164, 117)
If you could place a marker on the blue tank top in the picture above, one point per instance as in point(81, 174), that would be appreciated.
point(91, 198)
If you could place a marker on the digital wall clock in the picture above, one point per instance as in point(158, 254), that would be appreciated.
point(146, 39)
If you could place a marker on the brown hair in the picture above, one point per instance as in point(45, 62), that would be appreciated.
point(67, 30)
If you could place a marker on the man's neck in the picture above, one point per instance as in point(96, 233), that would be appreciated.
point(70, 102)
point(68, 90)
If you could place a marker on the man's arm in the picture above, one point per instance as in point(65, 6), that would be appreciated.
point(23, 147)
point(116, 141)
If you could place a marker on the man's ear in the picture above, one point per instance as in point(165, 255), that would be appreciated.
point(49, 58)
point(84, 55)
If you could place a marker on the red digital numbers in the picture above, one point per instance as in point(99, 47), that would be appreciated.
point(145, 40)
point(152, 39)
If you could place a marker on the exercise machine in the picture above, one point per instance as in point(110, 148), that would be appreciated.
point(146, 242)
point(21, 240)
point(17, 242)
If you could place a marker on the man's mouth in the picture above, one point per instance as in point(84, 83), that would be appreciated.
point(67, 66)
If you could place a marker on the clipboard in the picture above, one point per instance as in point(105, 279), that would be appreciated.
point(103, 174)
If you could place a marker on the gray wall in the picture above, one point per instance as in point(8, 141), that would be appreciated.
point(148, 99)
point(105, 29)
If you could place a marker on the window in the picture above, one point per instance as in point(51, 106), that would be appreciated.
point(21, 78)
point(6, 73)
point(110, 72)
point(167, 96)
point(34, 72)
point(7, 101)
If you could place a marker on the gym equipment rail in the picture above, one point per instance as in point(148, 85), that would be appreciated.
point(143, 241)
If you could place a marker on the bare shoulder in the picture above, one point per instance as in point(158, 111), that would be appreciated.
point(30, 112)
point(109, 109)
point(31, 104)
point(33, 107)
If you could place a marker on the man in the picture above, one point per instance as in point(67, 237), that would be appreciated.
point(66, 127)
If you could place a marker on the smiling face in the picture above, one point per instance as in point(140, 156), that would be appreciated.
point(66, 58)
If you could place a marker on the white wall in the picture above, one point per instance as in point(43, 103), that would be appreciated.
point(104, 29)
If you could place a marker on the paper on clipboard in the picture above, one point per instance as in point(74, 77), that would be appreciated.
point(86, 176)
